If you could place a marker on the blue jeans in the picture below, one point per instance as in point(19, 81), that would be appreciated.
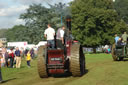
point(28, 63)
point(51, 43)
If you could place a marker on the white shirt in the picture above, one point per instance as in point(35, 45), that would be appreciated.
point(50, 32)
point(61, 33)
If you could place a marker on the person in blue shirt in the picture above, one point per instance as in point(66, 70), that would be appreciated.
point(18, 57)
point(116, 38)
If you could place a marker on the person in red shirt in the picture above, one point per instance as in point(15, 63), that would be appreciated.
point(11, 56)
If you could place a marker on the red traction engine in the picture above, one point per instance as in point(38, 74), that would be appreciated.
point(71, 59)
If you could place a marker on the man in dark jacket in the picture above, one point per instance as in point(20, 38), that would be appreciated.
point(18, 57)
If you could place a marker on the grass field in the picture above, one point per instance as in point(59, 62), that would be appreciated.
point(102, 70)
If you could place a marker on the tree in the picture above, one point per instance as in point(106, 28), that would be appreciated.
point(121, 6)
point(2, 33)
point(94, 22)
point(17, 33)
point(37, 17)
point(61, 10)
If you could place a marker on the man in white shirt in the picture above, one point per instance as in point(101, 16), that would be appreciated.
point(49, 35)
point(60, 37)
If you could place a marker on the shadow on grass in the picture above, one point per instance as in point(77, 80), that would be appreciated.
point(68, 74)
point(65, 75)
point(22, 67)
point(4, 81)
point(86, 71)
point(68, 78)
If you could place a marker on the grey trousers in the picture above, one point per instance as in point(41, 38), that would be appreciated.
point(59, 44)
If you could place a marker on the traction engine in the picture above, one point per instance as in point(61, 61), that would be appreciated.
point(71, 59)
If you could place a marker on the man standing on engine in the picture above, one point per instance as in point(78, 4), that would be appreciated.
point(116, 38)
point(60, 37)
point(124, 37)
point(49, 35)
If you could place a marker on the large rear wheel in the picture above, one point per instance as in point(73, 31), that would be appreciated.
point(77, 60)
point(115, 58)
point(42, 70)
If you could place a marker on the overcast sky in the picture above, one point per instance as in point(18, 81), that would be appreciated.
point(11, 9)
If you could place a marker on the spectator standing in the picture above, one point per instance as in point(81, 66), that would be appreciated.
point(2, 61)
point(26, 51)
point(28, 58)
point(32, 53)
point(109, 50)
point(49, 35)
point(11, 56)
point(0, 68)
point(106, 48)
point(3, 58)
point(6, 58)
point(18, 57)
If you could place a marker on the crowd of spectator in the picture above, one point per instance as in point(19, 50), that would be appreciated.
point(12, 58)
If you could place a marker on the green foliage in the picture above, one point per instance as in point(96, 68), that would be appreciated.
point(17, 33)
point(121, 7)
point(2, 33)
point(60, 9)
point(94, 22)
point(37, 17)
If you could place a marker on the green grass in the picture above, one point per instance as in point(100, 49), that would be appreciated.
point(102, 70)
point(19, 75)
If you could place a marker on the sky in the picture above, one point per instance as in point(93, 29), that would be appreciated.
point(10, 10)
